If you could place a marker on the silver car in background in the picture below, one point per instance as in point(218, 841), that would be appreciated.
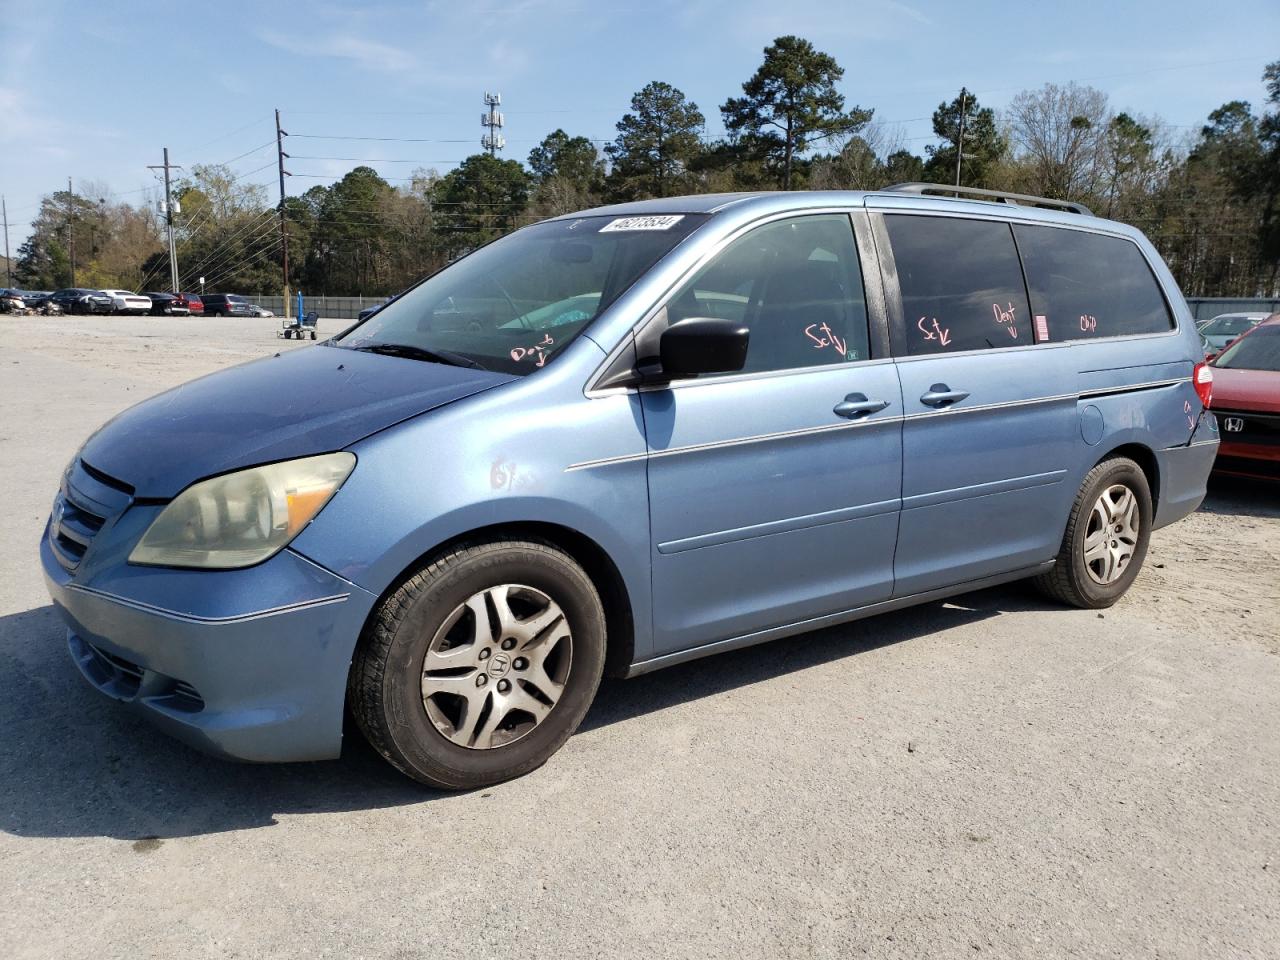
point(1225, 327)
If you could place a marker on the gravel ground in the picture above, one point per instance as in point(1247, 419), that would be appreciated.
point(993, 775)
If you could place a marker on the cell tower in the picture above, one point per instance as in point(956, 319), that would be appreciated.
point(493, 141)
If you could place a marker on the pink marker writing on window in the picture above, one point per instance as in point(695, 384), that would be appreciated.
point(538, 349)
point(830, 340)
point(941, 334)
point(1006, 316)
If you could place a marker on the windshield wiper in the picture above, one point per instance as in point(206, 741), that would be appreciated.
point(410, 352)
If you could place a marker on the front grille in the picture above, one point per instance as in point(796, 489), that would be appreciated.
point(105, 480)
point(1255, 427)
point(1248, 466)
point(75, 526)
point(87, 500)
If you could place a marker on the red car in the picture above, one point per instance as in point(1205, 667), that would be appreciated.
point(1246, 399)
point(194, 304)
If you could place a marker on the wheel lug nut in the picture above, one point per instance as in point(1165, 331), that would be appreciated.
point(504, 686)
point(482, 680)
point(508, 643)
point(520, 663)
point(484, 654)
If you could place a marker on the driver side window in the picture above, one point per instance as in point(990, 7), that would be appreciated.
point(796, 284)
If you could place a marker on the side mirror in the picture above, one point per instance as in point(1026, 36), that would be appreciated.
point(702, 345)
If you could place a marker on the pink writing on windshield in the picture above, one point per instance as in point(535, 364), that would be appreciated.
point(1088, 324)
point(538, 349)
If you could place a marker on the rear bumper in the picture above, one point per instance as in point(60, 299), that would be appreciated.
point(1184, 474)
point(265, 684)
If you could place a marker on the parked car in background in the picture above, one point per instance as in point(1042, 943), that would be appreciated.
point(655, 431)
point(368, 312)
point(1225, 327)
point(41, 301)
point(12, 301)
point(260, 311)
point(226, 305)
point(129, 303)
point(1246, 400)
point(169, 305)
point(82, 301)
point(194, 304)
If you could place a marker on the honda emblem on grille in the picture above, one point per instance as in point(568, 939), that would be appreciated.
point(1233, 424)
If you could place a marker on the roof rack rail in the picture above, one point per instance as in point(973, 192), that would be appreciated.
point(1002, 196)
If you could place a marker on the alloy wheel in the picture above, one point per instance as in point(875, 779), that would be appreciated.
point(1111, 536)
point(496, 666)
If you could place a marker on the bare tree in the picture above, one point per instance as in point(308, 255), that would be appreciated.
point(1060, 134)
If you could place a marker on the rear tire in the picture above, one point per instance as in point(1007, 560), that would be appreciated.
point(481, 665)
point(1106, 538)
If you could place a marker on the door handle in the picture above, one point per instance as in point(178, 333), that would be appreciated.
point(940, 395)
point(857, 405)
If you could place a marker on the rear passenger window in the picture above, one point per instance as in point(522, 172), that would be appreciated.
point(1087, 285)
point(961, 284)
point(797, 286)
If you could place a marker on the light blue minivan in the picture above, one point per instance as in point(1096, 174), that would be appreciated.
point(621, 439)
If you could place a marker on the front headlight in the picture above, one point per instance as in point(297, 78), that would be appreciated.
point(242, 518)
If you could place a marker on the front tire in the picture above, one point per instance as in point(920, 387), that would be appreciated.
point(1106, 538)
point(481, 665)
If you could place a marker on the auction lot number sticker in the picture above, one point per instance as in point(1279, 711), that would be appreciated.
point(642, 223)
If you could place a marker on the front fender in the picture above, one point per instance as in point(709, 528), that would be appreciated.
point(511, 456)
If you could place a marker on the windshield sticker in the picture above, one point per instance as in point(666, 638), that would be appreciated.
point(941, 334)
point(1006, 316)
point(1088, 323)
point(1042, 328)
point(539, 350)
point(642, 223)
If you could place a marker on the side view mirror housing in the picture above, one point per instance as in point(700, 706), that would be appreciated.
point(702, 345)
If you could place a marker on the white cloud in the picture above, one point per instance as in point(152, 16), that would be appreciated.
point(917, 15)
point(369, 54)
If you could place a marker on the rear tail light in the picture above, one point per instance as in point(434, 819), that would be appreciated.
point(1202, 378)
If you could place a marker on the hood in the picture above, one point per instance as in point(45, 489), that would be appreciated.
point(294, 404)
point(1246, 390)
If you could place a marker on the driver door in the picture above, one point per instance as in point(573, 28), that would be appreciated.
point(774, 493)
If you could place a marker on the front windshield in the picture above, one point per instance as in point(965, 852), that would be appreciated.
point(1228, 326)
point(513, 305)
point(1260, 350)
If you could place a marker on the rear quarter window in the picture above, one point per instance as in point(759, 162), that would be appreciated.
point(1087, 285)
point(961, 284)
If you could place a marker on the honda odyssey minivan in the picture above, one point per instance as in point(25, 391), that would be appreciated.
point(622, 439)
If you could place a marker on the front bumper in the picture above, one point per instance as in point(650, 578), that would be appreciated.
point(248, 664)
point(1258, 461)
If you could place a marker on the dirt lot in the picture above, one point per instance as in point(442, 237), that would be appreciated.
point(995, 775)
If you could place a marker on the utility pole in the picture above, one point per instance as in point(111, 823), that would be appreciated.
point(71, 239)
point(8, 268)
point(960, 138)
point(284, 232)
point(168, 217)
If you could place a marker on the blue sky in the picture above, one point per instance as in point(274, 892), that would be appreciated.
point(93, 90)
